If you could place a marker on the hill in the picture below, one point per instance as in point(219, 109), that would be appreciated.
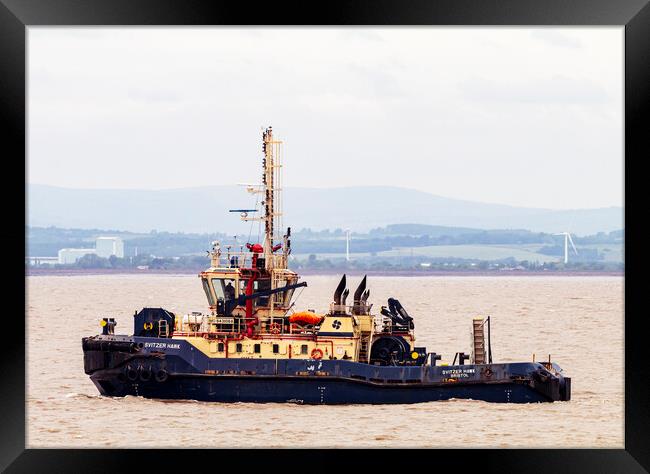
point(362, 208)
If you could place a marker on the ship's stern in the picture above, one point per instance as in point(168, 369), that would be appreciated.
point(105, 359)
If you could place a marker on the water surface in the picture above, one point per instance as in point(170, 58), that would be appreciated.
point(578, 320)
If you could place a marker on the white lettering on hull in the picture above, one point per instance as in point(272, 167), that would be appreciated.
point(458, 373)
point(161, 345)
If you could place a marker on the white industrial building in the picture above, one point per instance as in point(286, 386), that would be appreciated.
point(67, 256)
point(104, 247)
point(107, 246)
point(35, 261)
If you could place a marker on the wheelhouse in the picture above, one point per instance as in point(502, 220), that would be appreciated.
point(225, 291)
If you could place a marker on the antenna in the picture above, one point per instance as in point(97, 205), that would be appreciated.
point(243, 212)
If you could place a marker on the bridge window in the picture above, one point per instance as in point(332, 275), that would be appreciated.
point(276, 348)
point(263, 285)
point(238, 348)
point(303, 349)
point(220, 347)
point(217, 284)
point(208, 293)
point(257, 348)
point(224, 288)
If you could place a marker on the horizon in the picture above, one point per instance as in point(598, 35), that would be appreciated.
point(298, 231)
point(325, 188)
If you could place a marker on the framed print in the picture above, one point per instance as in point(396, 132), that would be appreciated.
point(365, 225)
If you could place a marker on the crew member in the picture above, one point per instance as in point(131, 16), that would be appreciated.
point(229, 292)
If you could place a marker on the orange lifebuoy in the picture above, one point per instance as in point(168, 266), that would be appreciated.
point(275, 328)
point(316, 354)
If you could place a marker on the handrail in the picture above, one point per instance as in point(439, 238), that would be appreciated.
point(240, 256)
point(350, 309)
point(243, 259)
point(238, 326)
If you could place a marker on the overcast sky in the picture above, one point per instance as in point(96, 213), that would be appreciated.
point(522, 116)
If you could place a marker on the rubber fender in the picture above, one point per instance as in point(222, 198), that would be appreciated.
point(131, 374)
point(161, 375)
point(145, 374)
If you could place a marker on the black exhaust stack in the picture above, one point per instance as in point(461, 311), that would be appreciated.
point(358, 294)
point(339, 291)
point(345, 296)
point(364, 297)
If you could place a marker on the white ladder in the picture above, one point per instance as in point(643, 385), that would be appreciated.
point(163, 328)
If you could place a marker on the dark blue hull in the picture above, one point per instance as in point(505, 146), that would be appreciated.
point(120, 367)
point(269, 389)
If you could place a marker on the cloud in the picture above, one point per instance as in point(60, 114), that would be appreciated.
point(152, 95)
point(378, 79)
point(556, 38)
point(555, 90)
point(360, 33)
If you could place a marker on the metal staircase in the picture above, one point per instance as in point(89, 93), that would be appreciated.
point(364, 347)
point(478, 341)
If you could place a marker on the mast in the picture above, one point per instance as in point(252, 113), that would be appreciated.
point(272, 194)
point(271, 190)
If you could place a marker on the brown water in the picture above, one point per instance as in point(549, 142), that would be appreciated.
point(578, 320)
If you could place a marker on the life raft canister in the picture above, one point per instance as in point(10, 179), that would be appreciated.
point(316, 354)
point(305, 317)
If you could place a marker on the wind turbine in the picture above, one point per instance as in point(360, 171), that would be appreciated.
point(347, 244)
point(567, 239)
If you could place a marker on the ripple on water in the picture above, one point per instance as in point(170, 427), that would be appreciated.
point(86, 396)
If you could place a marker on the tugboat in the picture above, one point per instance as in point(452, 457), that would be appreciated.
point(252, 346)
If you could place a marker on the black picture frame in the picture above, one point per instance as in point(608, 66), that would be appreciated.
point(634, 15)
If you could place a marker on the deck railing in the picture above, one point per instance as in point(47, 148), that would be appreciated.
point(195, 325)
point(236, 259)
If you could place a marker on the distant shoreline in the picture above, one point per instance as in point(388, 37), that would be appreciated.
point(407, 273)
